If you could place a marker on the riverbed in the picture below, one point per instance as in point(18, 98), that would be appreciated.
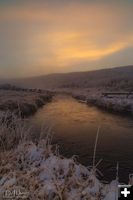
point(74, 126)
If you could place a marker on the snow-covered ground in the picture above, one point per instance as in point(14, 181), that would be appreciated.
point(41, 173)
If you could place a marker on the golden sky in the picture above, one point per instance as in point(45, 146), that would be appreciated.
point(40, 37)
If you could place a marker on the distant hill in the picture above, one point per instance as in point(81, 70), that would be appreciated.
point(114, 78)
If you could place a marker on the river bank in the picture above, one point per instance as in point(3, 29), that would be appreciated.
point(40, 173)
point(116, 104)
point(23, 102)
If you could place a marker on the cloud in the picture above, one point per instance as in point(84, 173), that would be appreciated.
point(55, 36)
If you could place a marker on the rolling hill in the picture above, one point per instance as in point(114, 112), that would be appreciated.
point(113, 78)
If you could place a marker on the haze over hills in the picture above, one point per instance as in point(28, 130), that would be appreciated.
point(115, 78)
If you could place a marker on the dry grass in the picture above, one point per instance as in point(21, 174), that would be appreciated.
point(13, 130)
point(25, 102)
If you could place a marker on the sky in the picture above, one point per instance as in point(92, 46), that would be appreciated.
point(53, 36)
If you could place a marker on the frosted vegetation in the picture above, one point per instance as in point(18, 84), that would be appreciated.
point(115, 103)
point(24, 101)
point(35, 167)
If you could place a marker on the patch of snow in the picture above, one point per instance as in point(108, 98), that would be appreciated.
point(52, 177)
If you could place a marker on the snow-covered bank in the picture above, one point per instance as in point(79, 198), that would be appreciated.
point(41, 173)
point(23, 102)
point(115, 104)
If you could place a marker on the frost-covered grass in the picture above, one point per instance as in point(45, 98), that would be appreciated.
point(116, 104)
point(38, 170)
point(24, 102)
point(13, 130)
point(44, 174)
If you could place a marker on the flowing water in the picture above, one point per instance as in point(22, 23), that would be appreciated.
point(74, 128)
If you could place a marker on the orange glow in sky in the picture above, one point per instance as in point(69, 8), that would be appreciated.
point(76, 36)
